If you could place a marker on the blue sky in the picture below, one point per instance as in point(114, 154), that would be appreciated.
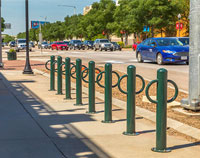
point(13, 11)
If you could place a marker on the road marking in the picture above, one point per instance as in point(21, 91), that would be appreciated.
point(114, 62)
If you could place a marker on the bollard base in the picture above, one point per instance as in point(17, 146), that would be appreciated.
point(108, 121)
point(52, 90)
point(79, 104)
point(161, 151)
point(68, 98)
point(59, 93)
point(130, 134)
point(88, 112)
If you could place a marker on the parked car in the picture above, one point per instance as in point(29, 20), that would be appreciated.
point(32, 44)
point(49, 45)
point(162, 50)
point(76, 44)
point(44, 45)
point(116, 46)
point(12, 44)
point(59, 45)
point(134, 46)
point(88, 44)
point(184, 40)
point(66, 42)
point(21, 45)
point(103, 44)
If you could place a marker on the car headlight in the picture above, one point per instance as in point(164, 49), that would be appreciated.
point(168, 51)
point(103, 45)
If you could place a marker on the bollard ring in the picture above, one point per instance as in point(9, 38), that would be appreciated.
point(176, 91)
point(115, 85)
point(83, 77)
point(119, 84)
point(143, 84)
point(85, 68)
point(99, 77)
point(47, 64)
point(147, 91)
point(72, 73)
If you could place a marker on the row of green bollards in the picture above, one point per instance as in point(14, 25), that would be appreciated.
point(161, 115)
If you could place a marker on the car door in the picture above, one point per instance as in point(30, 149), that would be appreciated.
point(152, 50)
point(143, 49)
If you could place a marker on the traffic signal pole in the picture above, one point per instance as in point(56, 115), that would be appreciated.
point(193, 102)
point(1, 62)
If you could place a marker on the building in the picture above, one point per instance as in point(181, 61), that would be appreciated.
point(86, 9)
point(117, 2)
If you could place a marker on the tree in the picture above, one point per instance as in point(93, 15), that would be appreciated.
point(8, 38)
point(2, 24)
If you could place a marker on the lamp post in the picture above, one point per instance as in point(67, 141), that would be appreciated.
point(179, 28)
point(27, 68)
point(1, 62)
point(69, 7)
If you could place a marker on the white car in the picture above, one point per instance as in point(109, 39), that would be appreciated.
point(21, 45)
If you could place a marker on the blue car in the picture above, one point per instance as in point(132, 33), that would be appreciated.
point(162, 50)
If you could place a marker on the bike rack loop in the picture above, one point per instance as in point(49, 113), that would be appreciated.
point(131, 92)
point(108, 91)
point(91, 85)
point(161, 112)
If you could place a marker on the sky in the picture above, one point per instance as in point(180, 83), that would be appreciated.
point(13, 11)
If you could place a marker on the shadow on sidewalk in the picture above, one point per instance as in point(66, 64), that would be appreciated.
point(185, 146)
point(68, 140)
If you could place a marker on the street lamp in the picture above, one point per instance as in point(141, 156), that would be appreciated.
point(179, 18)
point(1, 62)
point(27, 68)
point(69, 7)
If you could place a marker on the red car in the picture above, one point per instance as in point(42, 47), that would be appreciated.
point(134, 46)
point(59, 45)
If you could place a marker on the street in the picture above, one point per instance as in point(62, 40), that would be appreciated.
point(119, 59)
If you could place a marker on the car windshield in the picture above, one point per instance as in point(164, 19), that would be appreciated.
point(77, 41)
point(44, 43)
point(66, 42)
point(60, 43)
point(21, 41)
point(169, 42)
point(185, 41)
point(115, 43)
point(90, 42)
point(104, 41)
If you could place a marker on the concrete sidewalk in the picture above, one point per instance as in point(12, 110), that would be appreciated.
point(36, 123)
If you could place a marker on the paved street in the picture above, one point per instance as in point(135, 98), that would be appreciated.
point(120, 61)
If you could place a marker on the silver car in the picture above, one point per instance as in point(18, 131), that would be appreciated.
point(103, 44)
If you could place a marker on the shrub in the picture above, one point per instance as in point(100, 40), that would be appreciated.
point(12, 51)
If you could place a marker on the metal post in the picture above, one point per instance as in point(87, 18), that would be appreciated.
point(108, 94)
point(161, 112)
point(78, 83)
point(91, 87)
point(131, 92)
point(27, 68)
point(193, 102)
point(67, 79)
point(59, 75)
point(52, 73)
point(1, 62)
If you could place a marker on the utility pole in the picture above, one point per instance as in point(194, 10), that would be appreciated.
point(1, 62)
point(193, 102)
point(69, 7)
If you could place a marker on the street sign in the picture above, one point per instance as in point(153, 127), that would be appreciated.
point(36, 24)
point(7, 25)
point(146, 29)
point(177, 26)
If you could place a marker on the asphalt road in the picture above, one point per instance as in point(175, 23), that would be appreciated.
point(120, 61)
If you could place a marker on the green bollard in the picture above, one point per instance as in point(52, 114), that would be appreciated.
point(67, 79)
point(59, 75)
point(52, 74)
point(131, 94)
point(161, 112)
point(78, 83)
point(131, 82)
point(108, 94)
point(91, 87)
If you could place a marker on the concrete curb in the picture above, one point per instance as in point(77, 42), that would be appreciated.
point(178, 126)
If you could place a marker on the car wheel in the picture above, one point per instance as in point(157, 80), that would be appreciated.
point(139, 57)
point(101, 49)
point(159, 59)
point(95, 49)
point(56, 48)
point(187, 62)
